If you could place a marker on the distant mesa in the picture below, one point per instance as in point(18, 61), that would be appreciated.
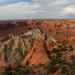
point(7, 25)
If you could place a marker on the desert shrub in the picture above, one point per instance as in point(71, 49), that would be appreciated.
point(18, 71)
point(58, 63)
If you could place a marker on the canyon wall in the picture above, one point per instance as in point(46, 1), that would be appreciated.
point(62, 30)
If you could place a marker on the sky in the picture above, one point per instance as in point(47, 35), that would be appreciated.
point(37, 9)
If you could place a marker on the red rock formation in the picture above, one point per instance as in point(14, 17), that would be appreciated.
point(37, 54)
point(61, 30)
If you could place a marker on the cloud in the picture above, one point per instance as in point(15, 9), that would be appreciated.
point(69, 12)
point(25, 5)
point(19, 10)
point(37, 9)
point(6, 2)
point(69, 9)
point(18, 7)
